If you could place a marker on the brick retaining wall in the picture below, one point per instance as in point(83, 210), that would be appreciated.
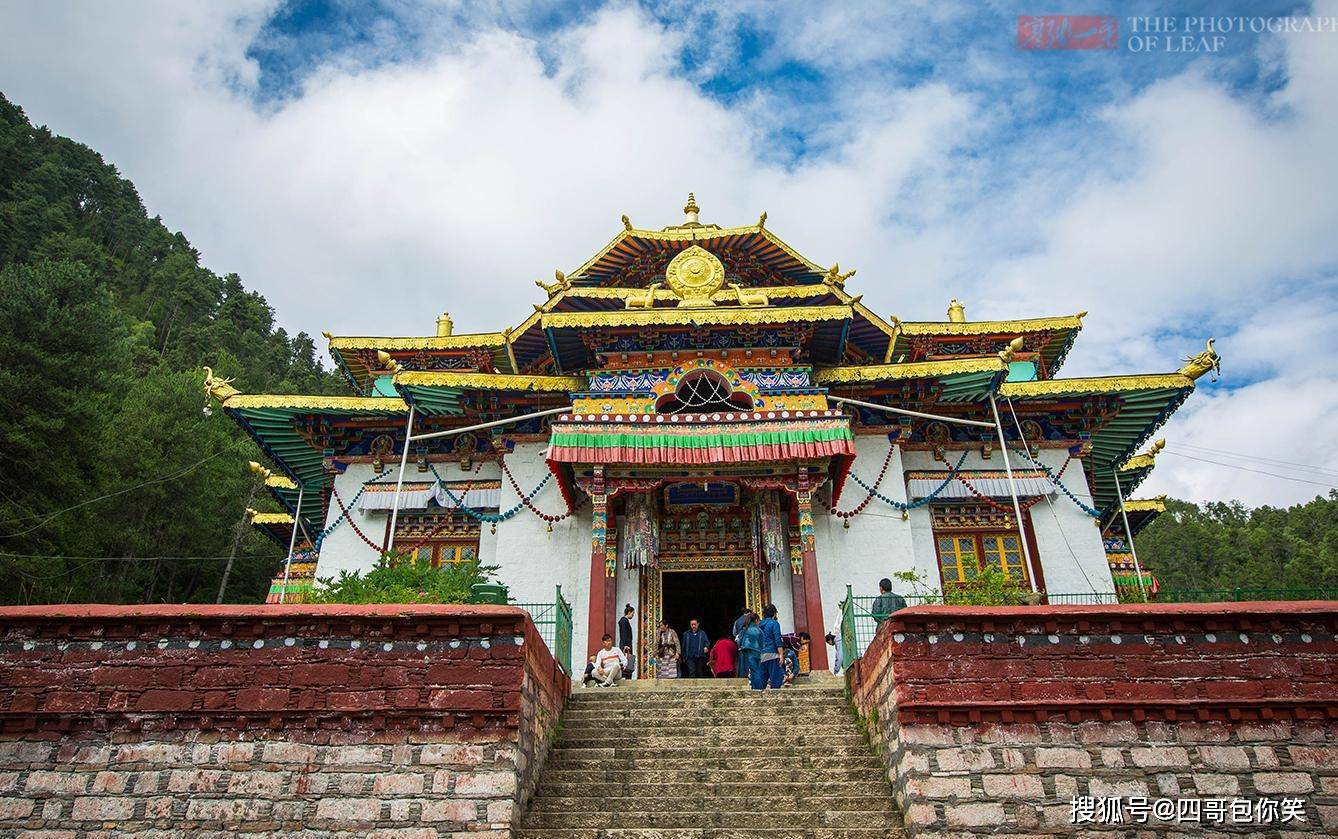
point(993, 720)
point(415, 721)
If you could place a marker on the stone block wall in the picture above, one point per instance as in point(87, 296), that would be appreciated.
point(400, 721)
point(993, 721)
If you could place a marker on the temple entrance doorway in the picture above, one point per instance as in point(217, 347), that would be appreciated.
point(715, 598)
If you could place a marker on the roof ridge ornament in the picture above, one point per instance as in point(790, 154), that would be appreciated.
point(834, 277)
point(956, 311)
point(218, 387)
point(1197, 365)
point(690, 210)
point(561, 284)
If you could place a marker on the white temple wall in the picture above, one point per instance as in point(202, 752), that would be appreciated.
point(342, 550)
point(782, 594)
point(878, 542)
point(1073, 557)
point(532, 560)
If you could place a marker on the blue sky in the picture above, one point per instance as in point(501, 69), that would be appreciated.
point(365, 165)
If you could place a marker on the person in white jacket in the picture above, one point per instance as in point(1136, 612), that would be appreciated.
point(609, 664)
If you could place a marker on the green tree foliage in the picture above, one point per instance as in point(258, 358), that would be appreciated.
point(1226, 546)
point(402, 580)
point(105, 319)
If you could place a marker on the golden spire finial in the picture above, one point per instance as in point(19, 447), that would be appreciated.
point(1157, 447)
point(328, 336)
point(956, 312)
point(387, 363)
point(691, 210)
point(251, 513)
point(257, 469)
point(444, 325)
point(762, 220)
point(627, 222)
point(1008, 353)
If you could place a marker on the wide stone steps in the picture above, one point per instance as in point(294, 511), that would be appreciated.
point(708, 760)
point(762, 815)
point(711, 833)
point(695, 801)
point(761, 790)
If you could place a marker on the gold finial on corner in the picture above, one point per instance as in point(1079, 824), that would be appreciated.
point(1197, 365)
point(560, 282)
point(956, 311)
point(387, 363)
point(762, 220)
point(218, 387)
point(834, 277)
point(257, 469)
point(1157, 447)
point(328, 336)
point(1081, 314)
point(627, 222)
point(1008, 353)
point(251, 514)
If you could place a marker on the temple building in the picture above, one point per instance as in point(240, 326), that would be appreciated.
point(699, 418)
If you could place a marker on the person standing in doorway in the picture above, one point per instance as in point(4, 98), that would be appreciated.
point(886, 602)
point(750, 647)
point(625, 637)
point(666, 652)
point(695, 647)
point(771, 673)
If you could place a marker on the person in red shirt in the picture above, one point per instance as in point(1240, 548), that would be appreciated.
point(724, 652)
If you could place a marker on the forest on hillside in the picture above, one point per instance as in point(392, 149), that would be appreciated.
point(116, 485)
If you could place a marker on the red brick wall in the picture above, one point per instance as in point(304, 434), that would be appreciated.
point(996, 718)
point(260, 718)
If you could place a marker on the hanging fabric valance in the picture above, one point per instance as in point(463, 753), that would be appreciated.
point(991, 483)
point(639, 533)
point(419, 496)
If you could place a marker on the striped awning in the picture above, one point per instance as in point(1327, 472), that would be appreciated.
point(989, 483)
point(700, 443)
point(421, 496)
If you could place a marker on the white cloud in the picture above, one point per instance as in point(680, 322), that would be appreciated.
point(379, 196)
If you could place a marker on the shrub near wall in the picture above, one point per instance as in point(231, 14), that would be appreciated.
point(994, 720)
point(413, 721)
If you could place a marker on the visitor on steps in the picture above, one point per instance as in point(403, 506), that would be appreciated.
point(750, 646)
point(724, 653)
point(837, 652)
point(695, 648)
point(666, 652)
point(740, 624)
point(625, 638)
point(886, 602)
point(609, 663)
point(770, 673)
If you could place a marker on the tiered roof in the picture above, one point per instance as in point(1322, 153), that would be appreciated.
point(771, 294)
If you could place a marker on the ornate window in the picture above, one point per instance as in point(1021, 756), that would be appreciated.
point(973, 537)
point(703, 391)
point(448, 551)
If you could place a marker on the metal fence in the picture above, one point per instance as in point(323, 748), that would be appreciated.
point(859, 623)
point(553, 621)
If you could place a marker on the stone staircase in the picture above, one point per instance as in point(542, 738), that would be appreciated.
point(710, 759)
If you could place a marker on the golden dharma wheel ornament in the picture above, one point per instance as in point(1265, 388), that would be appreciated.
point(694, 275)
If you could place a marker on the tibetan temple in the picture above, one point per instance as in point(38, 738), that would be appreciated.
point(697, 419)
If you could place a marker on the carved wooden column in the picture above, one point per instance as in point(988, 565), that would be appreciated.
point(812, 594)
point(603, 585)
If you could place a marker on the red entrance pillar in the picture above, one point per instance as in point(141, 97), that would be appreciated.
point(805, 586)
point(603, 584)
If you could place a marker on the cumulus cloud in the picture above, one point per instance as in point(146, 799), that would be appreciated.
point(379, 193)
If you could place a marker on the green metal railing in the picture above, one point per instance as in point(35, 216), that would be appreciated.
point(859, 623)
point(553, 621)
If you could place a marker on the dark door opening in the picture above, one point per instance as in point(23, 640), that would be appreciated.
point(715, 598)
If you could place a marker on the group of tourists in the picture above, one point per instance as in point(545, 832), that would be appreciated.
point(756, 649)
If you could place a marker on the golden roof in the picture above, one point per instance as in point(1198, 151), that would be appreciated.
point(1095, 384)
point(242, 401)
point(488, 381)
point(689, 317)
point(426, 342)
point(911, 370)
point(992, 327)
